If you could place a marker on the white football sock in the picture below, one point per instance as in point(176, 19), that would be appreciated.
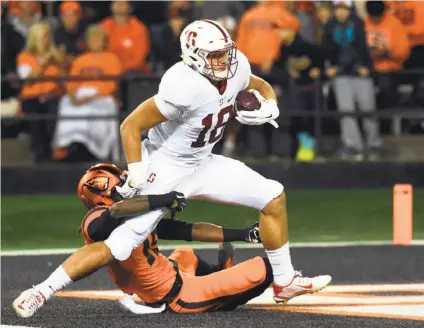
point(56, 281)
point(282, 267)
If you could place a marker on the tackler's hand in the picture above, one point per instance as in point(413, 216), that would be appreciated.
point(175, 201)
point(252, 234)
point(179, 202)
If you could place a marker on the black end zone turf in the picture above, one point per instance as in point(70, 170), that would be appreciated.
point(347, 265)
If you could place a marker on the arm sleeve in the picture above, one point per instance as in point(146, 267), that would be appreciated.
point(101, 225)
point(168, 229)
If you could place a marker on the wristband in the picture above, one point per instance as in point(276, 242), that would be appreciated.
point(235, 234)
point(158, 201)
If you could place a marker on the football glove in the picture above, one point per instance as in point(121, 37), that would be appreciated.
point(179, 202)
point(253, 234)
point(136, 180)
point(267, 113)
point(127, 303)
point(174, 200)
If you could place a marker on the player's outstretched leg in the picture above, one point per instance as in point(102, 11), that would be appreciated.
point(80, 264)
point(273, 228)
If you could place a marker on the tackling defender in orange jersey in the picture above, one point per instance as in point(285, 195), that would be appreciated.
point(183, 281)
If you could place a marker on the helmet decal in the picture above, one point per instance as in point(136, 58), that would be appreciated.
point(191, 36)
point(99, 184)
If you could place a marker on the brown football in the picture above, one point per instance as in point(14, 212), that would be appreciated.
point(246, 100)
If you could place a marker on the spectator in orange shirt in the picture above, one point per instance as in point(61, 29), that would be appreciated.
point(41, 58)
point(411, 15)
point(258, 36)
point(389, 47)
point(128, 37)
point(94, 139)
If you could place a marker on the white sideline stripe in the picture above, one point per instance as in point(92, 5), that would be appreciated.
point(64, 251)
point(11, 326)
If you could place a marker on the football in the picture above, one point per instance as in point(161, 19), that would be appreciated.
point(247, 101)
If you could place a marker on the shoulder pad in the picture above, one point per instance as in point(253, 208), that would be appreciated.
point(177, 86)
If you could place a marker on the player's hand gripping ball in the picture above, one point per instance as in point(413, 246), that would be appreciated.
point(252, 108)
point(247, 101)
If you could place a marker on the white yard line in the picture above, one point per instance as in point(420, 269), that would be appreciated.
point(64, 251)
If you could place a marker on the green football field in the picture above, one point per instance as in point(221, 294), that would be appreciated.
point(31, 222)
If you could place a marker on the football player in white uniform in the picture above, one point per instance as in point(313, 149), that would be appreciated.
point(186, 119)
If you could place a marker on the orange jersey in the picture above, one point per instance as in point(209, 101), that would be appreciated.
point(391, 34)
point(146, 273)
point(130, 42)
point(411, 15)
point(258, 35)
point(95, 66)
point(153, 278)
point(30, 63)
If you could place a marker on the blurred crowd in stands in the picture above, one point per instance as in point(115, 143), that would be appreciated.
point(318, 55)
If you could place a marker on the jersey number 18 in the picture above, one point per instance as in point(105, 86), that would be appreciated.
point(214, 134)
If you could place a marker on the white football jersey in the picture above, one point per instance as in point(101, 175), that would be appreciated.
point(196, 110)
